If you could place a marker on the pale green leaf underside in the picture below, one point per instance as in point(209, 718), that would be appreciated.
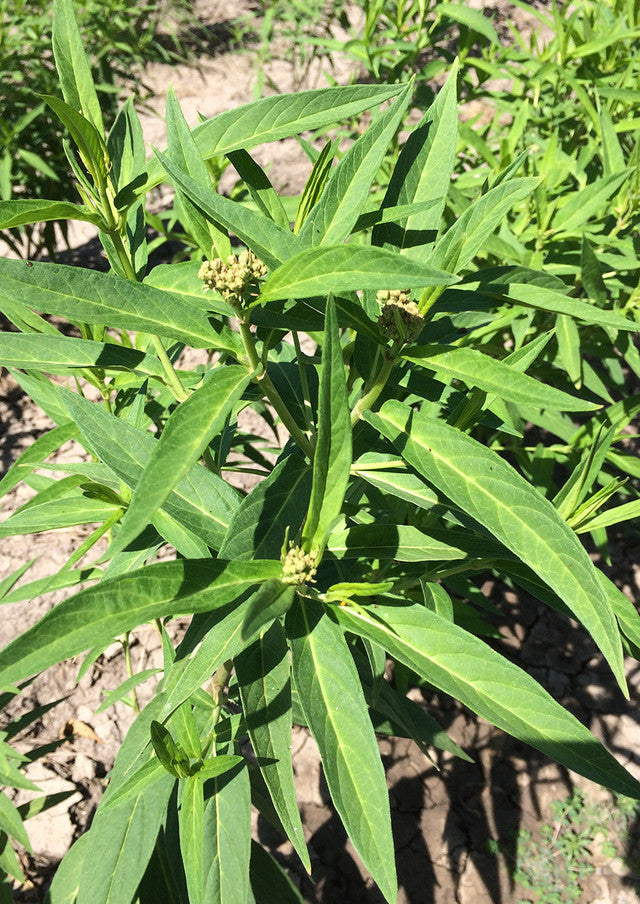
point(59, 354)
point(465, 667)
point(331, 696)
point(483, 485)
point(96, 615)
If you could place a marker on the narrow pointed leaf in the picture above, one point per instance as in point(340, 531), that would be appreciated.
point(261, 189)
point(264, 677)
point(102, 298)
point(423, 173)
point(333, 217)
point(96, 615)
point(491, 375)
point(186, 434)
point(26, 211)
point(279, 501)
point(227, 835)
point(270, 242)
point(269, 882)
point(88, 138)
point(331, 696)
point(492, 492)
point(348, 268)
point(400, 542)
point(73, 67)
point(58, 354)
point(332, 459)
point(465, 667)
point(57, 514)
point(462, 241)
point(202, 501)
point(276, 117)
point(191, 823)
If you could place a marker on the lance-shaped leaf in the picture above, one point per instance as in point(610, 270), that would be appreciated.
point(58, 354)
point(188, 431)
point(72, 64)
point(202, 501)
point(331, 696)
point(269, 882)
point(102, 298)
point(89, 140)
point(182, 147)
point(35, 454)
point(94, 616)
point(332, 458)
point(24, 212)
point(423, 173)
point(462, 241)
point(191, 827)
point(56, 514)
point(276, 117)
point(491, 491)
point(462, 665)
point(401, 542)
point(333, 217)
point(264, 678)
point(227, 838)
point(270, 242)
point(279, 501)
point(348, 268)
point(491, 375)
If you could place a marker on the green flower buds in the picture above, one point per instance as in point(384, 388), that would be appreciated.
point(299, 567)
point(236, 278)
point(400, 318)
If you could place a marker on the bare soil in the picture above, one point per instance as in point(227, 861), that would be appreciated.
point(445, 813)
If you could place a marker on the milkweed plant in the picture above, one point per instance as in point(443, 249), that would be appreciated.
point(397, 480)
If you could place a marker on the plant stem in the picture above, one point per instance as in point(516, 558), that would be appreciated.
point(129, 668)
point(270, 392)
point(370, 397)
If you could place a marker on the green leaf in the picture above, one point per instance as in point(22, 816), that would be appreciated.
point(270, 242)
point(89, 140)
point(579, 207)
point(279, 501)
point(423, 173)
point(279, 116)
point(59, 354)
point(27, 211)
point(125, 145)
point(269, 882)
point(271, 601)
point(263, 193)
point(182, 280)
point(191, 823)
point(186, 434)
point(332, 458)
point(57, 514)
point(138, 782)
point(102, 298)
point(72, 64)
point(492, 492)
point(184, 151)
point(492, 375)
point(123, 689)
point(400, 542)
point(462, 241)
point(546, 299)
point(96, 615)
point(11, 822)
point(39, 450)
point(347, 268)
point(264, 678)
point(227, 836)
point(474, 19)
point(331, 696)
point(568, 338)
point(66, 882)
point(382, 471)
point(465, 667)
point(202, 501)
point(331, 220)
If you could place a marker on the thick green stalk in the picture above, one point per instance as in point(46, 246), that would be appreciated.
point(270, 392)
point(370, 396)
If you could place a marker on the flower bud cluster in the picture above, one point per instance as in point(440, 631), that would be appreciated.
point(234, 278)
point(400, 318)
point(299, 567)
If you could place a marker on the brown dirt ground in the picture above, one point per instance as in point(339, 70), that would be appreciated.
point(443, 814)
